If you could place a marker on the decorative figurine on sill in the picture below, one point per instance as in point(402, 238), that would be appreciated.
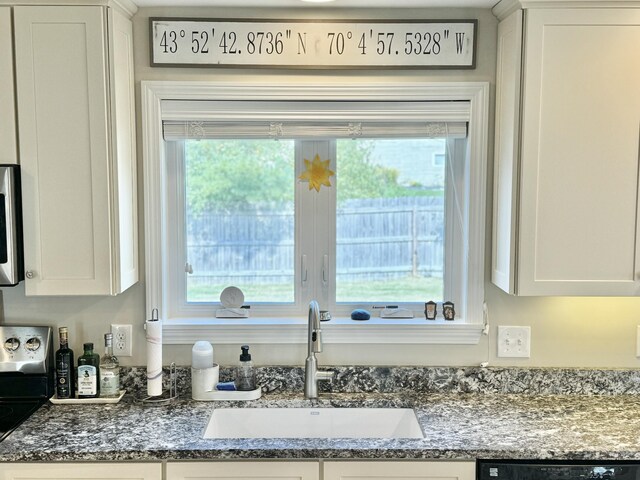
point(430, 310)
point(448, 311)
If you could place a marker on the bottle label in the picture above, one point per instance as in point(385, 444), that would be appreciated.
point(63, 375)
point(109, 383)
point(87, 382)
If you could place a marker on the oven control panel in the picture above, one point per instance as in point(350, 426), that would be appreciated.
point(25, 349)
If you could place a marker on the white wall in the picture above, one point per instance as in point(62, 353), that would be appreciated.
point(572, 332)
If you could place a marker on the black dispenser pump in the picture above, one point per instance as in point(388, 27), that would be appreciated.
point(245, 356)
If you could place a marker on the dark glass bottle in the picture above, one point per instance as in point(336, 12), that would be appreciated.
point(65, 372)
point(88, 373)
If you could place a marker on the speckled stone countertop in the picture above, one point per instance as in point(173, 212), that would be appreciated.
point(456, 426)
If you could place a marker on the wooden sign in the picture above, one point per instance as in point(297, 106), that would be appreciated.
point(313, 43)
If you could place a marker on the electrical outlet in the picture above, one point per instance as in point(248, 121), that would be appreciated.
point(514, 341)
point(122, 340)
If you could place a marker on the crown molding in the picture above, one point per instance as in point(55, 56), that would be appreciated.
point(504, 8)
point(127, 7)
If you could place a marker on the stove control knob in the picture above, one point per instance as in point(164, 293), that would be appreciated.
point(11, 344)
point(32, 344)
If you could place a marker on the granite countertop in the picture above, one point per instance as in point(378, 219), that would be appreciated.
point(462, 426)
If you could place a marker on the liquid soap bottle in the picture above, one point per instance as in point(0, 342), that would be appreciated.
point(245, 373)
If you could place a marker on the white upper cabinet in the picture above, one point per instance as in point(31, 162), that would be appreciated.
point(74, 71)
point(567, 153)
point(8, 139)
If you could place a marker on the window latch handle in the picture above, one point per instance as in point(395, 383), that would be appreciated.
point(188, 268)
point(303, 270)
point(325, 268)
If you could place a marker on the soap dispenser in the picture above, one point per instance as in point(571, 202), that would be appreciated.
point(245, 373)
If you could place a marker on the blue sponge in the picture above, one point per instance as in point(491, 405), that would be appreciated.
point(360, 314)
point(226, 386)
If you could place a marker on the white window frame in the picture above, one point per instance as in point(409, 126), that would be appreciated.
point(293, 330)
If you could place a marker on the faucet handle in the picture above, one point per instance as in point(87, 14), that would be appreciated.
point(325, 375)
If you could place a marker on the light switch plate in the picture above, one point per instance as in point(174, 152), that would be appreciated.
point(514, 342)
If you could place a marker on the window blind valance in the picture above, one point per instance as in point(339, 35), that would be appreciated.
point(219, 130)
point(183, 119)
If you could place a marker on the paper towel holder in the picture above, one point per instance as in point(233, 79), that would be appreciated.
point(166, 396)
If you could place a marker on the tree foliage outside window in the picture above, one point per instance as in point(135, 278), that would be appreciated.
point(248, 187)
point(235, 174)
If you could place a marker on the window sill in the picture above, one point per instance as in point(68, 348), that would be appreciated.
point(339, 331)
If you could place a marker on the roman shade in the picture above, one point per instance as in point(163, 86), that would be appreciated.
point(299, 119)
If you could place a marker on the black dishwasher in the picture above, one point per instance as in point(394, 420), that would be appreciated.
point(557, 470)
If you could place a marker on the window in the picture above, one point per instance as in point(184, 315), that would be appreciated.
point(390, 222)
point(238, 215)
point(390, 225)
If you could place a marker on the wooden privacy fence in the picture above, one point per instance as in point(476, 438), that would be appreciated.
point(377, 239)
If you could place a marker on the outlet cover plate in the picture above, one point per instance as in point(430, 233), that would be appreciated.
point(514, 342)
point(122, 340)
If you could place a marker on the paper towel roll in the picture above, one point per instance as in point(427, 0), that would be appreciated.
point(154, 357)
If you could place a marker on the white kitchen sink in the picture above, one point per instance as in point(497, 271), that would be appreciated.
point(313, 423)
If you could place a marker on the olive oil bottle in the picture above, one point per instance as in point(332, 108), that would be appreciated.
point(65, 372)
point(88, 373)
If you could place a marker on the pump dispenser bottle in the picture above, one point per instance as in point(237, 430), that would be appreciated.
point(245, 373)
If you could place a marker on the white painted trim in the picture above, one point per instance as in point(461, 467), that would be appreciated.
point(127, 7)
point(340, 331)
point(154, 92)
point(504, 8)
point(154, 183)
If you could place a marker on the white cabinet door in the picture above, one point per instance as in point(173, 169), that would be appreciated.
point(8, 139)
point(401, 470)
point(577, 228)
point(268, 470)
point(75, 238)
point(81, 471)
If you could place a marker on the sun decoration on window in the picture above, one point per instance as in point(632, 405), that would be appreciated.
point(317, 173)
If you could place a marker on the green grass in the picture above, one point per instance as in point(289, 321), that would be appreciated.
point(409, 289)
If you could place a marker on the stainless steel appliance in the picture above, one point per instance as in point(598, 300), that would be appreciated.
point(11, 247)
point(557, 470)
point(26, 373)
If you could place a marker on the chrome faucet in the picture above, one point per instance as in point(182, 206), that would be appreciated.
point(311, 372)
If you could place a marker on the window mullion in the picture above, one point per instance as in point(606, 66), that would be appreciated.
point(317, 226)
point(331, 224)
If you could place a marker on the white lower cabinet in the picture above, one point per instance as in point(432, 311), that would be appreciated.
point(416, 470)
point(81, 471)
point(331, 470)
point(267, 470)
point(244, 470)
